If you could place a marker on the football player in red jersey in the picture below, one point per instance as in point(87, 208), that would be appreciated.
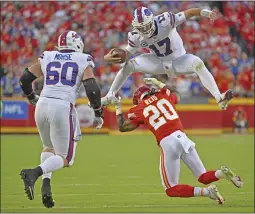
point(156, 110)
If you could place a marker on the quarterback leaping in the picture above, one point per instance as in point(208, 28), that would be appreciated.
point(167, 54)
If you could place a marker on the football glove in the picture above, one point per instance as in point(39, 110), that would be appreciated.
point(154, 81)
point(34, 100)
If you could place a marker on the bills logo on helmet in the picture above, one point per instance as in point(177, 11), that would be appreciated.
point(77, 36)
point(147, 12)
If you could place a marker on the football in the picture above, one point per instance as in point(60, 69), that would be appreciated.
point(121, 53)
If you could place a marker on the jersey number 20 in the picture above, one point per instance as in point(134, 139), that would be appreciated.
point(56, 72)
point(168, 113)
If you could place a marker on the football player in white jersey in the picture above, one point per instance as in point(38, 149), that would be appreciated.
point(167, 54)
point(56, 118)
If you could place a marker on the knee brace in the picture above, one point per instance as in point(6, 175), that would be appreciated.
point(197, 65)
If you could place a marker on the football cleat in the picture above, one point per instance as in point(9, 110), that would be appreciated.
point(47, 198)
point(226, 97)
point(215, 195)
point(231, 176)
point(29, 177)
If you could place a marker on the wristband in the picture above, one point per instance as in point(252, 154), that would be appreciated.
point(205, 13)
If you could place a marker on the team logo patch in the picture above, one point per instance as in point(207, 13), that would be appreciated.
point(147, 12)
point(76, 36)
point(144, 43)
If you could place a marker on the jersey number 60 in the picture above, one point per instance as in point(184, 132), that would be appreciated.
point(56, 72)
point(168, 114)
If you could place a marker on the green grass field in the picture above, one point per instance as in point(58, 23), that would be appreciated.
point(120, 174)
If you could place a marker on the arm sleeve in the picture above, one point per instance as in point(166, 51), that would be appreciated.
point(133, 43)
point(134, 118)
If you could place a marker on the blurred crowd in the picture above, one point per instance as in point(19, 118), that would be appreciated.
point(226, 45)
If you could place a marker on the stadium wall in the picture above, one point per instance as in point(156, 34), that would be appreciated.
point(18, 117)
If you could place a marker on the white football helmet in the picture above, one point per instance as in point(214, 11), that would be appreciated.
point(70, 40)
point(143, 22)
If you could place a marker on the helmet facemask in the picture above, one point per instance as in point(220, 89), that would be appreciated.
point(146, 30)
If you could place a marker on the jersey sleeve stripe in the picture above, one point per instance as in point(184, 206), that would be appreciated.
point(132, 45)
point(131, 42)
point(172, 19)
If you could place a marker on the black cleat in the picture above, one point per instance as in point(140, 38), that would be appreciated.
point(29, 177)
point(226, 97)
point(47, 199)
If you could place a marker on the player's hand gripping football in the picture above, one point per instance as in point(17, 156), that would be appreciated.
point(112, 57)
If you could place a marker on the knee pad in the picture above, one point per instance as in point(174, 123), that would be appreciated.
point(197, 65)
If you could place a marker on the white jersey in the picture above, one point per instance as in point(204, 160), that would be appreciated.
point(63, 72)
point(166, 42)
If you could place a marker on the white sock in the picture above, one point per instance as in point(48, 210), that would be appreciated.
point(219, 174)
point(119, 80)
point(209, 82)
point(203, 192)
point(52, 164)
point(44, 156)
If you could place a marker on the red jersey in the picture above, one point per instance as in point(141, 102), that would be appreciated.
point(157, 112)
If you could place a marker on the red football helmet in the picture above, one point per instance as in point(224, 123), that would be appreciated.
point(140, 93)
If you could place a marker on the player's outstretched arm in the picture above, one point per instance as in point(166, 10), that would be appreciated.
point(29, 75)
point(124, 125)
point(200, 12)
point(94, 95)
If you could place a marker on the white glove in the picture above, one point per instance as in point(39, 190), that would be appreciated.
point(117, 104)
point(154, 81)
point(34, 101)
point(98, 123)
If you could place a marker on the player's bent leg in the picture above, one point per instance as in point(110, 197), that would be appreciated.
point(186, 191)
point(47, 198)
point(145, 63)
point(29, 176)
point(118, 81)
point(190, 63)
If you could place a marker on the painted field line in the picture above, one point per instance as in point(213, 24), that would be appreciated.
point(111, 194)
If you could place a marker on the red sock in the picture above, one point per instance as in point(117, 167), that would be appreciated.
point(208, 177)
point(184, 191)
